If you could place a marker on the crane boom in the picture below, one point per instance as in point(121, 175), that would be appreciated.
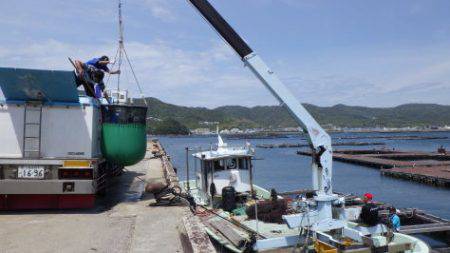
point(318, 138)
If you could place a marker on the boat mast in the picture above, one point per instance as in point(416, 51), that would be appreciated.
point(122, 54)
point(121, 46)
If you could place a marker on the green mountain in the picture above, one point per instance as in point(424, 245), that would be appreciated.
point(167, 126)
point(276, 117)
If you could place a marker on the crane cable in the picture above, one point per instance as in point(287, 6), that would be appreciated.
point(135, 78)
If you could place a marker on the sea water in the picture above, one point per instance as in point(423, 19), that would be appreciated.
point(284, 170)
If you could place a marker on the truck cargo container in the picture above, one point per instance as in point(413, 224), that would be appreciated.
point(50, 152)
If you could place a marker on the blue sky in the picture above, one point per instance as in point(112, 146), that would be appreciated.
point(369, 53)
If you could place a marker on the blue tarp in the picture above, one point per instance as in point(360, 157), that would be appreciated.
point(44, 85)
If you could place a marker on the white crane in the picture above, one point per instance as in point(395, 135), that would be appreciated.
point(319, 219)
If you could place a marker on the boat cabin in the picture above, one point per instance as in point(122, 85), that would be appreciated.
point(222, 167)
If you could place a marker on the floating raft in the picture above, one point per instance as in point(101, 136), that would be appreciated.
point(300, 145)
point(124, 137)
point(422, 167)
point(436, 175)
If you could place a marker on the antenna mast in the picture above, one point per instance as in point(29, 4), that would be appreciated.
point(121, 46)
point(121, 52)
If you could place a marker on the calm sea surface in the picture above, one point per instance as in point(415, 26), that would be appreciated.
point(284, 170)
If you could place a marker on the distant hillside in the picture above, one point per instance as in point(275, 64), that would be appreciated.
point(275, 116)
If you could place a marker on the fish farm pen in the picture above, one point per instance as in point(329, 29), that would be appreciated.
point(428, 168)
point(299, 145)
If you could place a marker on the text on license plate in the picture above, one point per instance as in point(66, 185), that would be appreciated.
point(35, 172)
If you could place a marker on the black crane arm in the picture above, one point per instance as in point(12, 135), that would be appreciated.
point(222, 27)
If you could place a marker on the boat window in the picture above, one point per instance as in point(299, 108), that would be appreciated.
point(207, 165)
point(243, 164)
point(218, 165)
point(229, 164)
point(232, 164)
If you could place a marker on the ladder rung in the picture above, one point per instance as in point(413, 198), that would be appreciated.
point(33, 117)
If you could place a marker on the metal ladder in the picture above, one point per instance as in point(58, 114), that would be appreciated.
point(32, 130)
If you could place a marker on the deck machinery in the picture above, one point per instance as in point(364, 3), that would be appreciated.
point(325, 215)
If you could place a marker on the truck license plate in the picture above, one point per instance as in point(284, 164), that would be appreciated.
point(31, 172)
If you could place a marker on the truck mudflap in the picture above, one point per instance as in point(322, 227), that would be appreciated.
point(46, 201)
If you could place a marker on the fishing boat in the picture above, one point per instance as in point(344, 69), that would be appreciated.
point(241, 216)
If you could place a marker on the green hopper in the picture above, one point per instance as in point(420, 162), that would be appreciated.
point(124, 138)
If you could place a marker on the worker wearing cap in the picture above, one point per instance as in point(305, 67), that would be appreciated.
point(90, 75)
point(369, 212)
point(92, 65)
point(102, 63)
point(367, 197)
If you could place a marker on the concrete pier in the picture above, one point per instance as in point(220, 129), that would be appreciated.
point(122, 221)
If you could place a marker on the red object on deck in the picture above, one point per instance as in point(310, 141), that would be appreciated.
point(46, 201)
point(368, 195)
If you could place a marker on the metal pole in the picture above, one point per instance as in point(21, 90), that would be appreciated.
point(121, 47)
point(187, 169)
point(120, 24)
point(196, 170)
point(256, 215)
point(250, 169)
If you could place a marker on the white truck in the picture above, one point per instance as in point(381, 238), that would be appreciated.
point(50, 137)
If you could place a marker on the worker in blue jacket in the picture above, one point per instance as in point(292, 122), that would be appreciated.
point(394, 219)
point(102, 63)
point(94, 64)
point(90, 74)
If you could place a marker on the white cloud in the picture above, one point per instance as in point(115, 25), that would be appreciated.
point(48, 54)
point(215, 77)
point(212, 77)
point(436, 72)
point(160, 9)
point(190, 66)
point(415, 8)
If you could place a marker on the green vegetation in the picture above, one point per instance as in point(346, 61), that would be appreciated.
point(182, 117)
point(167, 126)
